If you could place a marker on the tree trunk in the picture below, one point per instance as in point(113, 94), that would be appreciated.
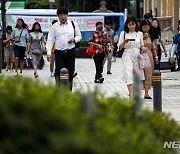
point(3, 16)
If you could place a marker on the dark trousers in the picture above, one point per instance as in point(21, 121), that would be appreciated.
point(98, 60)
point(178, 59)
point(115, 49)
point(159, 53)
point(64, 60)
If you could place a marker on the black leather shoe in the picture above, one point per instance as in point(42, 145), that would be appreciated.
point(101, 80)
point(109, 72)
point(74, 75)
point(97, 81)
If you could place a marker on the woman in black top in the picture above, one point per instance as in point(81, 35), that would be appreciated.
point(159, 41)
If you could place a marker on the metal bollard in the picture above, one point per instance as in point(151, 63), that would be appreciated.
point(137, 94)
point(157, 91)
point(88, 104)
point(64, 77)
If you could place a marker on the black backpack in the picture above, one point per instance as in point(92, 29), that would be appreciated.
point(77, 45)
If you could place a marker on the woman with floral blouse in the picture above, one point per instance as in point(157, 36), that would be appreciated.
point(100, 40)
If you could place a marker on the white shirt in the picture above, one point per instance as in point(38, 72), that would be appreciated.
point(60, 34)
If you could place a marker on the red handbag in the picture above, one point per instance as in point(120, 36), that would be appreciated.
point(90, 50)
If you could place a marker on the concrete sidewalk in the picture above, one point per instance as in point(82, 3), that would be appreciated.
point(113, 84)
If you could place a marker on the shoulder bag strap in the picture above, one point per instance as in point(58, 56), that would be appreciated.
point(73, 27)
point(21, 33)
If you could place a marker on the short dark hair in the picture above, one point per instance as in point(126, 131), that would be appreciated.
point(34, 25)
point(98, 23)
point(131, 19)
point(8, 28)
point(108, 23)
point(54, 21)
point(62, 10)
point(158, 27)
point(148, 16)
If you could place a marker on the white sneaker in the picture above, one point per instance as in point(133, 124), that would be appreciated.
point(20, 74)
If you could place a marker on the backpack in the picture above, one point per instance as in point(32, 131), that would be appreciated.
point(78, 43)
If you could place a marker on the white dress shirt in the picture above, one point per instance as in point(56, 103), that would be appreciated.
point(60, 34)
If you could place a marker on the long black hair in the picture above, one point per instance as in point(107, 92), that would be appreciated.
point(34, 25)
point(145, 23)
point(24, 24)
point(131, 19)
point(178, 28)
point(158, 29)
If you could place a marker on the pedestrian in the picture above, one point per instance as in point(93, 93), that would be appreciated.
point(20, 37)
point(110, 32)
point(8, 49)
point(160, 42)
point(132, 41)
point(150, 45)
point(101, 41)
point(152, 31)
point(53, 56)
point(36, 42)
point(65, 37)
point(176, 47)
point(116, 39)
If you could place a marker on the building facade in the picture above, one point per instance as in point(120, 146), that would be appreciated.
point(167, 11)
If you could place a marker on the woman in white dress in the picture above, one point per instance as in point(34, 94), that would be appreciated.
point(132, 42)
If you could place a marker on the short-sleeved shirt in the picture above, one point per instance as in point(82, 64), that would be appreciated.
point(24, 36)
point(36, 40)
point(10, 43)
point(111, 34)
point(100, 38)
point(177, 41)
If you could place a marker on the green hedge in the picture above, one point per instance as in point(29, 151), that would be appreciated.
point(84, 43)
point(40, 119)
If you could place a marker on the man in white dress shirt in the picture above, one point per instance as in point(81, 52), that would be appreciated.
point(64, 36)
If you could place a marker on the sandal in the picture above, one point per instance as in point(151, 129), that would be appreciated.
point(35, 74)
point(147, 97)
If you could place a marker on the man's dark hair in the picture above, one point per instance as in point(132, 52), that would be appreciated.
point(62, 10)
point(131, 19)
point(98, 23)
point(108, 23)
point(8, 28)
point(54, 21)
point(148, 16)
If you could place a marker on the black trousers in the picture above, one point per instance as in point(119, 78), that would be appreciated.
point(178, 59)
point(64, 60)
point(98, 60)
point(159, 53)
